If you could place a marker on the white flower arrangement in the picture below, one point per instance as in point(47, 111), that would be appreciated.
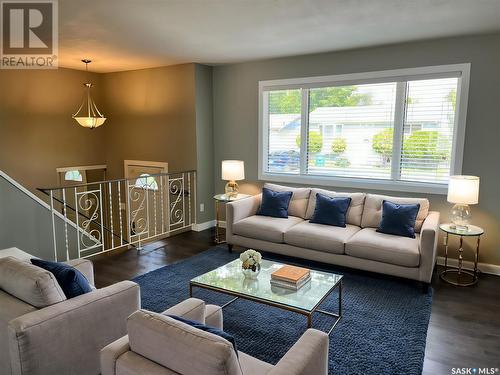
point(250, 259)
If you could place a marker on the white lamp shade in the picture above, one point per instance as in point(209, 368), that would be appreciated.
point(463, 190)
point(233, 170)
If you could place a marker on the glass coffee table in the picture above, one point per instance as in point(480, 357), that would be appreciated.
point(229, 279)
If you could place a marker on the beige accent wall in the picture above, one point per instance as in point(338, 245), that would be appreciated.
point(37, 133)
point(236, 114)
point(152, 117)
point(152, 114)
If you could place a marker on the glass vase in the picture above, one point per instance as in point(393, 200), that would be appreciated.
point(251, 273)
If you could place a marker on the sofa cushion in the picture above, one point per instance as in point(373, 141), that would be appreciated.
point(398, 219)
point(71, 281)
point(320, 237)
point(372, 212)
point(180, 347)
point(299, 201)
point(29, 283)
point(274, 203)
point(264, 227)
point(355, 208)
point(330, 210)
point(386, 248)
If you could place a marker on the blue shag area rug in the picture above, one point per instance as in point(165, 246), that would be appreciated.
point(382, 331)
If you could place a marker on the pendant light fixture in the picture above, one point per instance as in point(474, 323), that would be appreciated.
point(88, 115)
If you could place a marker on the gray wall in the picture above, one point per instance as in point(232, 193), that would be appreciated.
point(204, 142)
point(236, 112)
point(27, 225)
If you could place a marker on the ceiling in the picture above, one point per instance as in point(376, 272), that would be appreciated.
point(133, 34)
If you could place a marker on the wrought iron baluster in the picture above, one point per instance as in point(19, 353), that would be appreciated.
point(162, 205)
point(53, 224)
point(77, 224)
point(65, 223)
point(111, 215)
point(101, 216)
point(189, 196)
point(120, 213)
point(169, 216)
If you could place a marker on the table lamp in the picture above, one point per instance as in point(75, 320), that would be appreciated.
point(232, 171)
point(462, 190)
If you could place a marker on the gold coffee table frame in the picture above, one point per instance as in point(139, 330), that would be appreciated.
point(308, 312)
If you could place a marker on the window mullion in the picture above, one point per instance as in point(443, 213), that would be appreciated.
point(399, 118)
point(304, 130)
point(264, 152)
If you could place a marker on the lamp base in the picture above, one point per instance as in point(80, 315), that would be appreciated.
point(460, 216)
point(232, 189)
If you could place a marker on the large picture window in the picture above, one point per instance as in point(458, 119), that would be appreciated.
point(396, 130)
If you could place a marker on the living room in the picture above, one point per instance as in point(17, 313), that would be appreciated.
point(297, 187)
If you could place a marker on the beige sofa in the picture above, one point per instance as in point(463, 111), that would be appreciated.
point(42, 332)
point(159, 345)
point(358, 245)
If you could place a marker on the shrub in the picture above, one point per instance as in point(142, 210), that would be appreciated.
point(339, 145)
point(315, 142)
point(424, 144)
point(382, 143)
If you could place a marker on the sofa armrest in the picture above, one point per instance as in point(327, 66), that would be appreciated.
point(85, 266)
point(73, 331)
point(429, 234)
point(309, 355)
point(238, 210)
point(110, 354)
point(191, 308)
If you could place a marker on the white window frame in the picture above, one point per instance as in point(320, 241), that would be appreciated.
point(462, 71)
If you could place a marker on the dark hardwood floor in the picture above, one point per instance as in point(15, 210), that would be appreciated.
point(464, 330)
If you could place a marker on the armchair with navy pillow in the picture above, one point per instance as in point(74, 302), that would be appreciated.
point(187, 339)
point(53, 311)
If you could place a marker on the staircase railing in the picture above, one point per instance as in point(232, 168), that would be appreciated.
point(124, 212)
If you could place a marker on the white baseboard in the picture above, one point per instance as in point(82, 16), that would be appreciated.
point(202, 226)
point(207, 225)
point(491, 269)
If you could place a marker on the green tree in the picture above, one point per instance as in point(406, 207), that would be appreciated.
point(424, 145)
point(382, 144)
point(315, 142)
point(284, 102)
point(339, 145)
point(452, 98)
point(289, 101)
point(343, 96)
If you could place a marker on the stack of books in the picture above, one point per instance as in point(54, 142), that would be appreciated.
point(290, 277)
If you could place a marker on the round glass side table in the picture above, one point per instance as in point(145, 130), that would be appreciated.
point(457, 275)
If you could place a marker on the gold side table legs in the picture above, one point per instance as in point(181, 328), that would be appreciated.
point(218, 237)
point(457, 275)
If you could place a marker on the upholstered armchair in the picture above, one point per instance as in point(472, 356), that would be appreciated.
point(42, 332)
point(157, 344)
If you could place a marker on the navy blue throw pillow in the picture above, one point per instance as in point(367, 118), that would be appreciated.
point(204, 327)
point(71, 281)
point(274, 203)
point(330, 210)
point(398, 219)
